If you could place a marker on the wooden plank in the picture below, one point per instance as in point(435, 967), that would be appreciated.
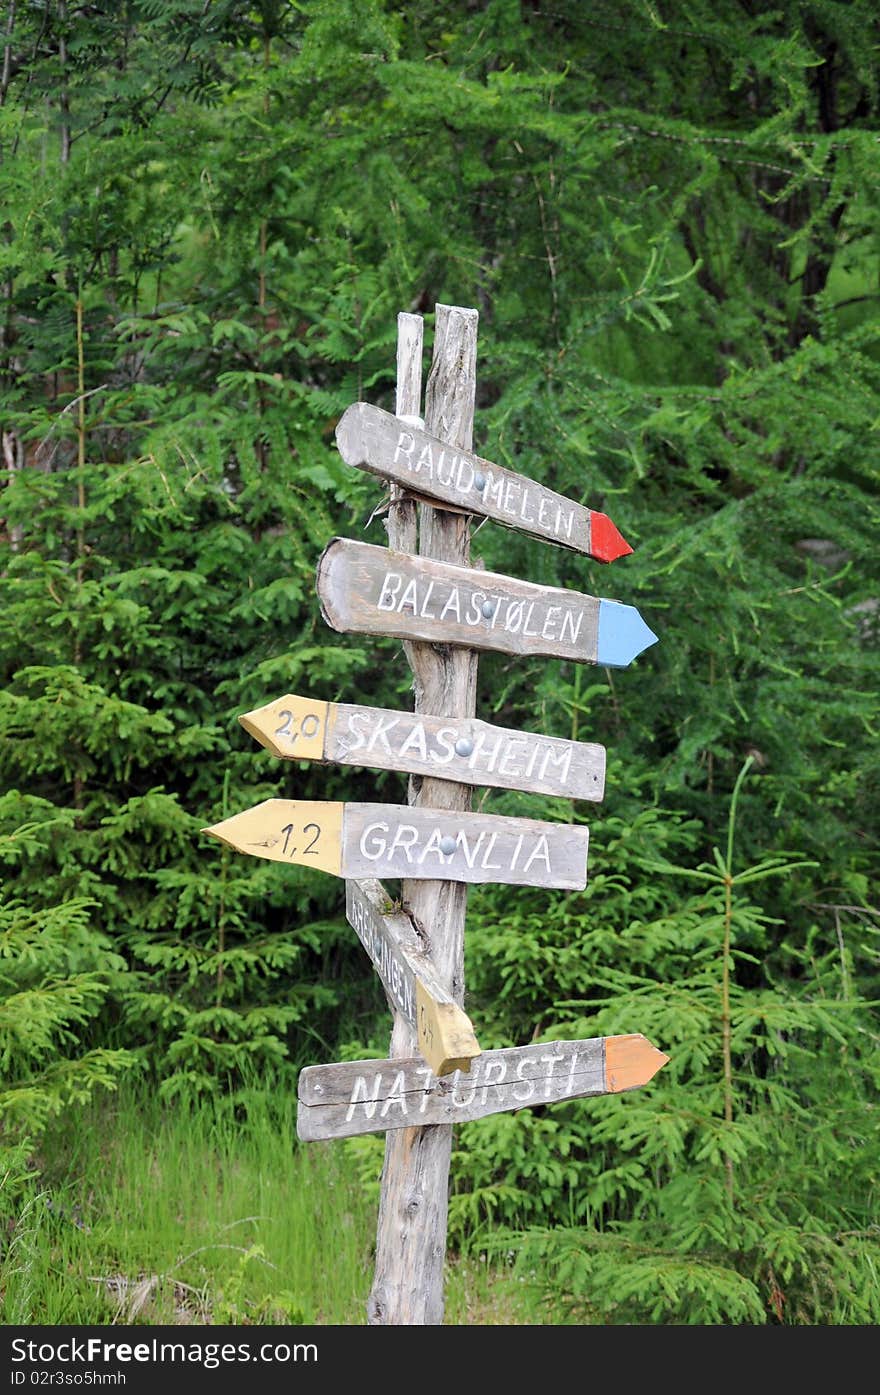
point(367, 589)
point(397, 840)
point(445, 1033)
point(462, 748)
point(382, 444)
point(355, 1097)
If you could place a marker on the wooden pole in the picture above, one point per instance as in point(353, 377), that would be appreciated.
point(411, 1234)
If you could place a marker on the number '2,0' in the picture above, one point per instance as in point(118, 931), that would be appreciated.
point(307, 727)
point(289, 828)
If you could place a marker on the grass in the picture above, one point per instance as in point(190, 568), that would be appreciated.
point(145, 1212)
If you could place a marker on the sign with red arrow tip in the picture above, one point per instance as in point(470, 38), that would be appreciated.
point(382, 444)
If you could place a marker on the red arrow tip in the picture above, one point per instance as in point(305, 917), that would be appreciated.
point(606, 543)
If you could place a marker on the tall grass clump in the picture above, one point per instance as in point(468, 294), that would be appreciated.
point(148, 1213)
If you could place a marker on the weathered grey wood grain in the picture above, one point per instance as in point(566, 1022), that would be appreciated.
point(402, 524)
point(374, 440)
point(365, 589)
point(462, 749)
point(399, 841)
point(444, 1032)
point(411, 1231)
point(356, 1097)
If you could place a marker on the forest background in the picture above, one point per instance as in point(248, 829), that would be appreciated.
point(211, 213)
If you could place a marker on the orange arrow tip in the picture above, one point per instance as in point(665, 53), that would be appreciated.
point(607, 543)
point(630, 1061)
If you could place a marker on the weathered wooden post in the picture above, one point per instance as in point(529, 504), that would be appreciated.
point(444, 611)
point(411, 1235)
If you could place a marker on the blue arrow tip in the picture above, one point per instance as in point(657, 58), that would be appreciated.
point(623, 634)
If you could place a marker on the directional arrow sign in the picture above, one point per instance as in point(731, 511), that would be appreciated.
point(454, 748)
point(376, 441)
point(338, 1101)
point(395, 840)
point(445, 1034)
point(371, 590)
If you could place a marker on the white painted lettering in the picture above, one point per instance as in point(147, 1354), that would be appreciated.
point(405, 838)
point(529, 1084)
point(493, 489)
point(383, 726)
point(452, 604)
point(377, 845)
point(532, 758)
point(463, 843)
point(461, 483)
point(448, 482)
point(572, 1070)
point(526, 630)
point(510, 754)
point(429, 1081)
point(396, 1096)
point(424, 612)
point(360, 1095)
point(473, 1080)
point(432, 848)
point(500, 1071)
point(445, 738)
point(515, 859)
point(390, 587)
point(415, 741)
point(486, 864)
point(561, 759)
point(551, 1061)
point(540, 852)
point(568, 618)
point(426, 459)
point(409, 598)
point(405, 447)
point(549, 622)
point(474, 613)
point(513, 618)
point(356, 722)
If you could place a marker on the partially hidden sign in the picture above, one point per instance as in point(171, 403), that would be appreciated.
point(366, 589)
point(382, 444)
point(451, 748)
point(355, 1097)
point(398, 840)
point(445, 1033)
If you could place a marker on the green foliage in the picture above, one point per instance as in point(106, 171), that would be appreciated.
point(211, 219)
point(146, 1214)
point(55, 974)
point(704, 1195)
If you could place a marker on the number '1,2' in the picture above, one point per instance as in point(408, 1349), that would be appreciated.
point(289, 828)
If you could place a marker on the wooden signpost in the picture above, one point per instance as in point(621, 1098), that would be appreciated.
point(445, 1034)
point(423, 590)
point(366, 589)
point(463, 749)
point(367, 1096)
point(376, 441)
point(396, 840)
